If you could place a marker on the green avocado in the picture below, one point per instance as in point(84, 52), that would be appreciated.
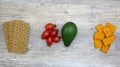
point(69, 31)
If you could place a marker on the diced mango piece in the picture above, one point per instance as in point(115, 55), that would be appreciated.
point(99, 35)
point(112, 38)
point(109, 40)
point(111, 26)
point(106, 41)
point(99, 28)
point(107, 31)
point(97, 43)
point(104, 49)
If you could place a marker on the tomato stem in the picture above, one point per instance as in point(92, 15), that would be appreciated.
point(54, 26)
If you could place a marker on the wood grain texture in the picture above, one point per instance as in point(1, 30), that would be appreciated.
point(85, 13)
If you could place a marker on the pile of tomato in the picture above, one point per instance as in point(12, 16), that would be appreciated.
point(51, 34)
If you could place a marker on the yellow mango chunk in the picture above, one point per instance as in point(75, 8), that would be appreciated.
point(104, 49)
point(109, 40)
point(106, 41)
point(97, 43)
point(99, 28)
point(107, 31)
point(112, 38)
point(111, 26)
point(99, 35)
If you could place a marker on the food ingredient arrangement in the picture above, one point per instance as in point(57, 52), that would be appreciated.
point(17, 31)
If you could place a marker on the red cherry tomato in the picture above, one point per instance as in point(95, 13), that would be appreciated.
point(45, 34)
point(57, 39)
point(49, 41)
point(54, 32)
point(49, 26)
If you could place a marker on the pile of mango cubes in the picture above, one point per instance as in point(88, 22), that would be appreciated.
point(104, 36)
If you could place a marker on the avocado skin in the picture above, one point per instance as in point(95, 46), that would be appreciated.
point(69, 31)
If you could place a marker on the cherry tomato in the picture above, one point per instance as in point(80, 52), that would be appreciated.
point(56, 39)
point(54, 32)
point(49, 26)
point(49, 41)
point(45, 34)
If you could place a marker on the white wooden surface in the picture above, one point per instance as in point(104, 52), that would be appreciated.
point(85, 13)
